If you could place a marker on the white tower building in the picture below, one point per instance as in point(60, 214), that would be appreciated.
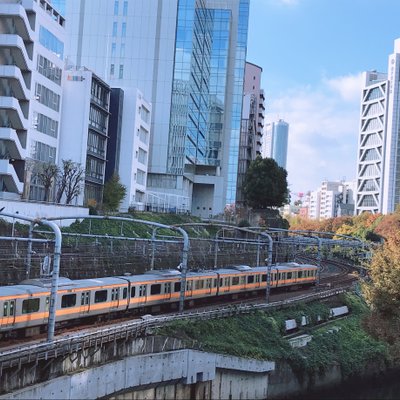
point(371, 145)
point(31, 62)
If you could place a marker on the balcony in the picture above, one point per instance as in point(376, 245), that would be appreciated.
point(13, 18)
point(10, 179)
point(14, 52)
point(12, 82)
point(12, 114)
point(13, 145)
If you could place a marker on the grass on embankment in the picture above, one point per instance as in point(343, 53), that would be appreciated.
point(261, 336)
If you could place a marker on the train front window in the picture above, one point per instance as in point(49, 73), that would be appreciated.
point(68, 300)
point(30, 306)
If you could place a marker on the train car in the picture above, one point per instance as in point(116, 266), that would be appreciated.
point(25, 307)
point(161, 287)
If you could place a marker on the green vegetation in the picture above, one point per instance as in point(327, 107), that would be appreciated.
point(265, 184)
point(114, 192)
point(261, 336)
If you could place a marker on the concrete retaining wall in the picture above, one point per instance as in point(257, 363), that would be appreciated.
point(192, 368)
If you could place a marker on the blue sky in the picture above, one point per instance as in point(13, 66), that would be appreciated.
point(313, 53)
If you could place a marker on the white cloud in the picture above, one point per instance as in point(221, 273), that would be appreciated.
point(323, 131)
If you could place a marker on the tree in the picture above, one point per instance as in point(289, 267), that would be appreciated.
point(382, 291)
point(265, 184)
point(114, 192)
point(47, 173)
point(70, 177)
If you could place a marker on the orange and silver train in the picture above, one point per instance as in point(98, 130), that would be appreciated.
point(24, 308)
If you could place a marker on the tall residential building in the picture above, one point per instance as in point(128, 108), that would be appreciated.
point(187, 57)
point(332, 199)
point(31, 62)
point(371, 144)
point(84, 129)
point(252, 125)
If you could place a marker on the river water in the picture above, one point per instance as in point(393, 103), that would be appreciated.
point(386, 387)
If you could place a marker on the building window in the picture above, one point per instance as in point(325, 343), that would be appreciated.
point(116, 7)
point(142, 156)
point(112, 69)
point(49, 69)
point(45, 124)
point(125, 9)
point(48, 40)
point(141, 177)
point(47, 97)
point(115, 28)
point(123, 31)
point(122, 50)
point(43, 152)
point(121, 72)
point(113, 48)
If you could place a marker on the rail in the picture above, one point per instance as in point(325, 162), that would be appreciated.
point(60, 346)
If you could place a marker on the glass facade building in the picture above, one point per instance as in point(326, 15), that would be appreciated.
point(209, 61)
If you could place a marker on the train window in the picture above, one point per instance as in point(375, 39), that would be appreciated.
point(133, 290)
point(47, 305)
point(280, 276)
point(177, 287)
point(289, 275)
point(155, 289)
point(30, 306)
point(85, 298)
point(100, 296)
point(68, 300)
point(235, 280)
point(242, 280)
point(264, 278)
point(125, 293)
point(5, 309)
point(208, 283)
point(167, 287)
point(300, 274)
point(226, 282)
point(189, 285)
point(114, 294)
point(221, 282)
point(215, 282)
point(257, 278)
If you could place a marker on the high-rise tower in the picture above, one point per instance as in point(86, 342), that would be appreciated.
point(371, 145)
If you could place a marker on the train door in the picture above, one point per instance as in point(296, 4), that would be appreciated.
point(142, 295)
point(84, 302)
point(189, 289)
point(225, 285)
point(167, 290)
point(115, 297)
point(8, 317)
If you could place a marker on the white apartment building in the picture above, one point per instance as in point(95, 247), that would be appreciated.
point(32, 58)
point(84, 129)
point(332, 199)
